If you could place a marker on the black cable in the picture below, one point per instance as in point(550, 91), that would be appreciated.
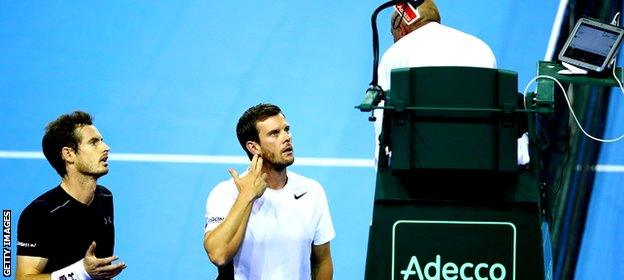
point(414, 3)
point(383, 6)
point(561, 174)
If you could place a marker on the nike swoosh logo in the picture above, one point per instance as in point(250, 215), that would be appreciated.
point(299, 196)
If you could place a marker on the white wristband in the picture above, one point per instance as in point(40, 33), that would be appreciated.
point(75, 271)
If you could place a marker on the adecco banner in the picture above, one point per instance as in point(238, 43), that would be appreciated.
point(453, 250)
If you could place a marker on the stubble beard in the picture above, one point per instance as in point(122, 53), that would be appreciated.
point(278, 165)
point(97, 175)
point(94, 171)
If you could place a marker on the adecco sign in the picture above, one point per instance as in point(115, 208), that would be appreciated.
point(453, 250)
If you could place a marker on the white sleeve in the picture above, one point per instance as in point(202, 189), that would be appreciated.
point(383, 74)
point(378, 125)
point(383, 79)
point(325, 228)
point(219, 203)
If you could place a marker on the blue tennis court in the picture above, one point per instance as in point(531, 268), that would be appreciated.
point(166, 82)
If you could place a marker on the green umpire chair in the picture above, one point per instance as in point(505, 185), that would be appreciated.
point(451, 201)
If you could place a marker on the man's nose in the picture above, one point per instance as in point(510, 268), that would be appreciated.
point(287, 136)
point(106, 147)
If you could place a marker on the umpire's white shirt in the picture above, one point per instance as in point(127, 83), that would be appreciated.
point(432, 44)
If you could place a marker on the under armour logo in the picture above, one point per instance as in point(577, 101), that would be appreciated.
point(108, 220)
point(71, 277)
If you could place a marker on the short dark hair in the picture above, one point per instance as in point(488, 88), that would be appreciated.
point(246, 128)
point(62, 133)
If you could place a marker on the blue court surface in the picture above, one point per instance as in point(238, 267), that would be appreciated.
point(166, 82)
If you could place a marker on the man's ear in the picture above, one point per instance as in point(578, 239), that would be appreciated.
point(68, 154)
point(253, 147)
point(404, 29)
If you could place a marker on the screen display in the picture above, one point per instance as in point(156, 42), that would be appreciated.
point(591, 44)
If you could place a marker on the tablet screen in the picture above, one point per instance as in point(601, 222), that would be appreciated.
point(591, 45)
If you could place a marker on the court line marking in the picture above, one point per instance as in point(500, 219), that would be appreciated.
point(208, 159)
point(556, 30)
point(204, 159)
point(609, 168)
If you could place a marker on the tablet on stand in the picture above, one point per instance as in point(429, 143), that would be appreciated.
point(590, 47)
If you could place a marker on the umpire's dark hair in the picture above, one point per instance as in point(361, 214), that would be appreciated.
point(246, 128)
point(62, 133)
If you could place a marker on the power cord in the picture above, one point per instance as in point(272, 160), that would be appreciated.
point(613, 63)
point(561, 173)
point(565, 95)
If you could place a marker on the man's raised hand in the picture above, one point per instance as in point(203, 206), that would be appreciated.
point(253, 183)
point(101, 268)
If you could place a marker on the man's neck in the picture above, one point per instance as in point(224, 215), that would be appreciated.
point(80, 187)
point(276, 179)
point(420, 24)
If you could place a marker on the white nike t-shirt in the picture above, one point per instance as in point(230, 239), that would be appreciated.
point(282, 228)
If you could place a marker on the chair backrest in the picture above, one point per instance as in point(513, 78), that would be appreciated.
point(459, 118)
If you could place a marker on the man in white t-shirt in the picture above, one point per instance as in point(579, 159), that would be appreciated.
point(426, 42)
point(268, 223)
